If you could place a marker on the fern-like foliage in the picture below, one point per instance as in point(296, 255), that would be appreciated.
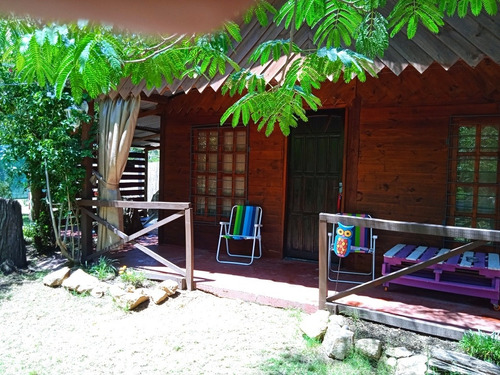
point(285, 104)
point(338, 25)
point(274, 49)
point(462, 7)
point(282, 106)
point(260, 10)
point(411, 13)
point(372, 37)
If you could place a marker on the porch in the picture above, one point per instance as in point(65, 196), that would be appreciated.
point(288, 283)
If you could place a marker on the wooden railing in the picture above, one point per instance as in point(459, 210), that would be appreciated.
point(478, 236)
point(183, 210)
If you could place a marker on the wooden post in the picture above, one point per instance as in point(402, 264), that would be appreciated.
point(188, 219)
point(323, 266)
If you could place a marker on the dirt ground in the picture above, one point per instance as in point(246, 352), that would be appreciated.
point(53, 331)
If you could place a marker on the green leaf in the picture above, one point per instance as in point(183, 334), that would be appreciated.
point(234, 30)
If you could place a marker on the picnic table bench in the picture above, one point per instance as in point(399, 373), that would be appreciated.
point(470, 273)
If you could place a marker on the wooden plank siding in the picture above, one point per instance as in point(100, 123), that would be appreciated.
point(395, 152)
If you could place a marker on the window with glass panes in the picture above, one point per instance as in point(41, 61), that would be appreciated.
point(474, 173)
point(219, 171)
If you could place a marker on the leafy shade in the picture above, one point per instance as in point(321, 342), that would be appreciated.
point(92, 60)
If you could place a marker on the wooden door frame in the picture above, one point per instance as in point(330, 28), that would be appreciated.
point(347, 126)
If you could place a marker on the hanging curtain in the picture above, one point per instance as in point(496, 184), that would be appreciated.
point(117, 121)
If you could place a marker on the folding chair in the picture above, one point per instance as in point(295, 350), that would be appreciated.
point(362, 242)
point(244, 224)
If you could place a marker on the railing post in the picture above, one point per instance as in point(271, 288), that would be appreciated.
point(188, 219)
point(323, 256)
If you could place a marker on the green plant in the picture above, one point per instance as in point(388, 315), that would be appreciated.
point(311, 342)
point(482, 346)
point(132, 277)
point(296, 363)
point(104, 268)
point(29, 231)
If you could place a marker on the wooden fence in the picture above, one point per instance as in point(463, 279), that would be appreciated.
point(183, 210)
point(478, 236)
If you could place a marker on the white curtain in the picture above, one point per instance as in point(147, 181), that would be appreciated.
point(117, 121)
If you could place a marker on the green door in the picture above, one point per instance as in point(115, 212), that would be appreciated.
point(314, 173)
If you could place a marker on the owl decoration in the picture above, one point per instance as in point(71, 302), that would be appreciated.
point(343, 239)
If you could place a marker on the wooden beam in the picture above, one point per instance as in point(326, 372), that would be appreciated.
point(417, 228)
point(322, 264)
point(188, 219)
point(111, 227)
point(150, 112)
point(136, 204)
point(156, 225)
point(405, 271)
point(160, 259)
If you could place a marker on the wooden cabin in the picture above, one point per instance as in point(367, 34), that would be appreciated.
point(419, 143)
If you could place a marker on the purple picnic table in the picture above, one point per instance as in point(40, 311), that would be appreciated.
point(471, 273)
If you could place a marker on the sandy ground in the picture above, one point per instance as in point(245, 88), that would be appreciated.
point(53, 331)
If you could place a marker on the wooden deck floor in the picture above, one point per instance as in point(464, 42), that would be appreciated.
point(294, 284)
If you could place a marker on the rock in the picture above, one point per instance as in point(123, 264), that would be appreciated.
point(80, 281)
point(399, 352)
point(169, 286)
point(55, 279)
point(314, 326)
point(337, 321)
point(390, 362)
point(132, 300)
point(338, 343)
point(372, 348)
point(8, 267)
point(414, 365)
point(116, 292)
point(158, 295)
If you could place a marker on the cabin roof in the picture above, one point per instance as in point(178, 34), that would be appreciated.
point(470, 39)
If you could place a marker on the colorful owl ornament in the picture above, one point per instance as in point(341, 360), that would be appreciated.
point(342, 241)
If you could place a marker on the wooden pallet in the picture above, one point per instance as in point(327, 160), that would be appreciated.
point(471, 273)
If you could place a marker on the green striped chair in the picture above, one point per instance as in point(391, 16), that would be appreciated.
point(363, 242)
point(244, 223)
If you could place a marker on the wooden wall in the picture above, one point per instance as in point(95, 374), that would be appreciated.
point(396, 150)
point(266, 183)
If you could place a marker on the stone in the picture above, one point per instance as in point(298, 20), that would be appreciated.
point(398, 352)
point(390, 362)
point(158, 295)
point(132, 300)
point(414, 365)
point(372, 348)
point(8, 267)
point(314, 326)
point(169, 286)
point(338, 343)
point(55, 279)
point(80, 282)
point(337, 321)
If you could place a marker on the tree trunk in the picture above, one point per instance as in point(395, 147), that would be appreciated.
point(36, 203)
point(11, 233)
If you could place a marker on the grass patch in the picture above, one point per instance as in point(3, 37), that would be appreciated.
point(132, 277)
point(482, 346)
point(104, 268)
point(305, 363)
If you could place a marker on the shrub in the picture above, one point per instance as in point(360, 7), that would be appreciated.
point(482, 345)
point(104, 268)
